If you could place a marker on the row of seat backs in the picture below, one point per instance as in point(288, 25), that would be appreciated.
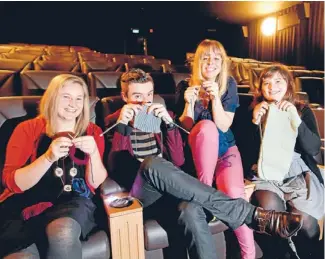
point(54, 63)
point(41, 49)
point(246, 61)
point(85, 56)
point(154, 65)
point(106, 83)
point(34, 55)
point(245, 73)
point(82, 56)
point(100, 84)
point(254, 74)
point(89, 61)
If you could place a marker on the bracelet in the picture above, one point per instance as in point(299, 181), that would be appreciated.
point(46, 157)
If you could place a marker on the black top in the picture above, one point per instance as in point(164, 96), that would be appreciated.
point(308, 141)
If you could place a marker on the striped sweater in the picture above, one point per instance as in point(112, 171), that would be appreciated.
point(144, 144)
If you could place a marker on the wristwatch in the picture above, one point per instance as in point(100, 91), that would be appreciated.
point(170, 126)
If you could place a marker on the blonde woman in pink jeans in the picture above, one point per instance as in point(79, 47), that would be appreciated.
point(207, 103)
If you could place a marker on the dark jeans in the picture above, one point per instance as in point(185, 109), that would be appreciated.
point(158, 177)
point(198, 238)
point(187, 226)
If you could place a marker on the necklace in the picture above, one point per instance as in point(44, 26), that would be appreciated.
point(59, 172)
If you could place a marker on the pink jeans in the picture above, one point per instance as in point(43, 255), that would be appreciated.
point(227, 171)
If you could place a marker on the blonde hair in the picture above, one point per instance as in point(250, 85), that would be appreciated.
point(205, 47)
point(50, 102)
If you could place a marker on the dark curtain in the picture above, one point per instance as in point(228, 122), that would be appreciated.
point(301, 44)
point(260, 47)
point(315, 39)
point(290, 45)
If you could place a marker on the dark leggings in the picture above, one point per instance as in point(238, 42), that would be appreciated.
point(304, 242)
point(63, 242)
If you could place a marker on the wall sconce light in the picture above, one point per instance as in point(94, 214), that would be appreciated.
point(269, 26)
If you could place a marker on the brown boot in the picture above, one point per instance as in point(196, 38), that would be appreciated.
point(282, 224)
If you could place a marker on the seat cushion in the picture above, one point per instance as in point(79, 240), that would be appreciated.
point(96, 247)
point(217, 226)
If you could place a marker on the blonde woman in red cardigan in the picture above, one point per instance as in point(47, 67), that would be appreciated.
point(53, 166)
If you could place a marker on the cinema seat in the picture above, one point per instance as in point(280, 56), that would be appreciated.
point(103, 84)
point(26, 57)
point(58, 58)
point(96, 66)
point(118, 57)
point(7, 83)
point(172, 68)
point(56, 66)
point(36, 82)
point(313, 86)
point(254, 75)
point(137, 63)
point(14, 64)
point(180, 77)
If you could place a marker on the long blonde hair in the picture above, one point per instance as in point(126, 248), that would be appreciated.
point(50, 101)
point(204, 48)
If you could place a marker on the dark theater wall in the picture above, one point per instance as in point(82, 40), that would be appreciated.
point(106, 27)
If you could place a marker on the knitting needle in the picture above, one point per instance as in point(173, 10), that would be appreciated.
point(107, 130)
point(72, 138)
point(179, 127)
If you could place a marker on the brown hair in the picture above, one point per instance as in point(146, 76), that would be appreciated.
point(268, 72)
point(204, 48)
point(135, 75)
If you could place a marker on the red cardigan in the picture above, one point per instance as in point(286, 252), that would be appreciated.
point(23, 145)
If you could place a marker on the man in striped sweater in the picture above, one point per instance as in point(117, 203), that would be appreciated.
point(149, 165)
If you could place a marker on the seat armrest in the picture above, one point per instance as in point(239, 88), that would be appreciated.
point(155, 237)
point(249, 189)
point(109, 186)
point(314, 105)
point(126, 227)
